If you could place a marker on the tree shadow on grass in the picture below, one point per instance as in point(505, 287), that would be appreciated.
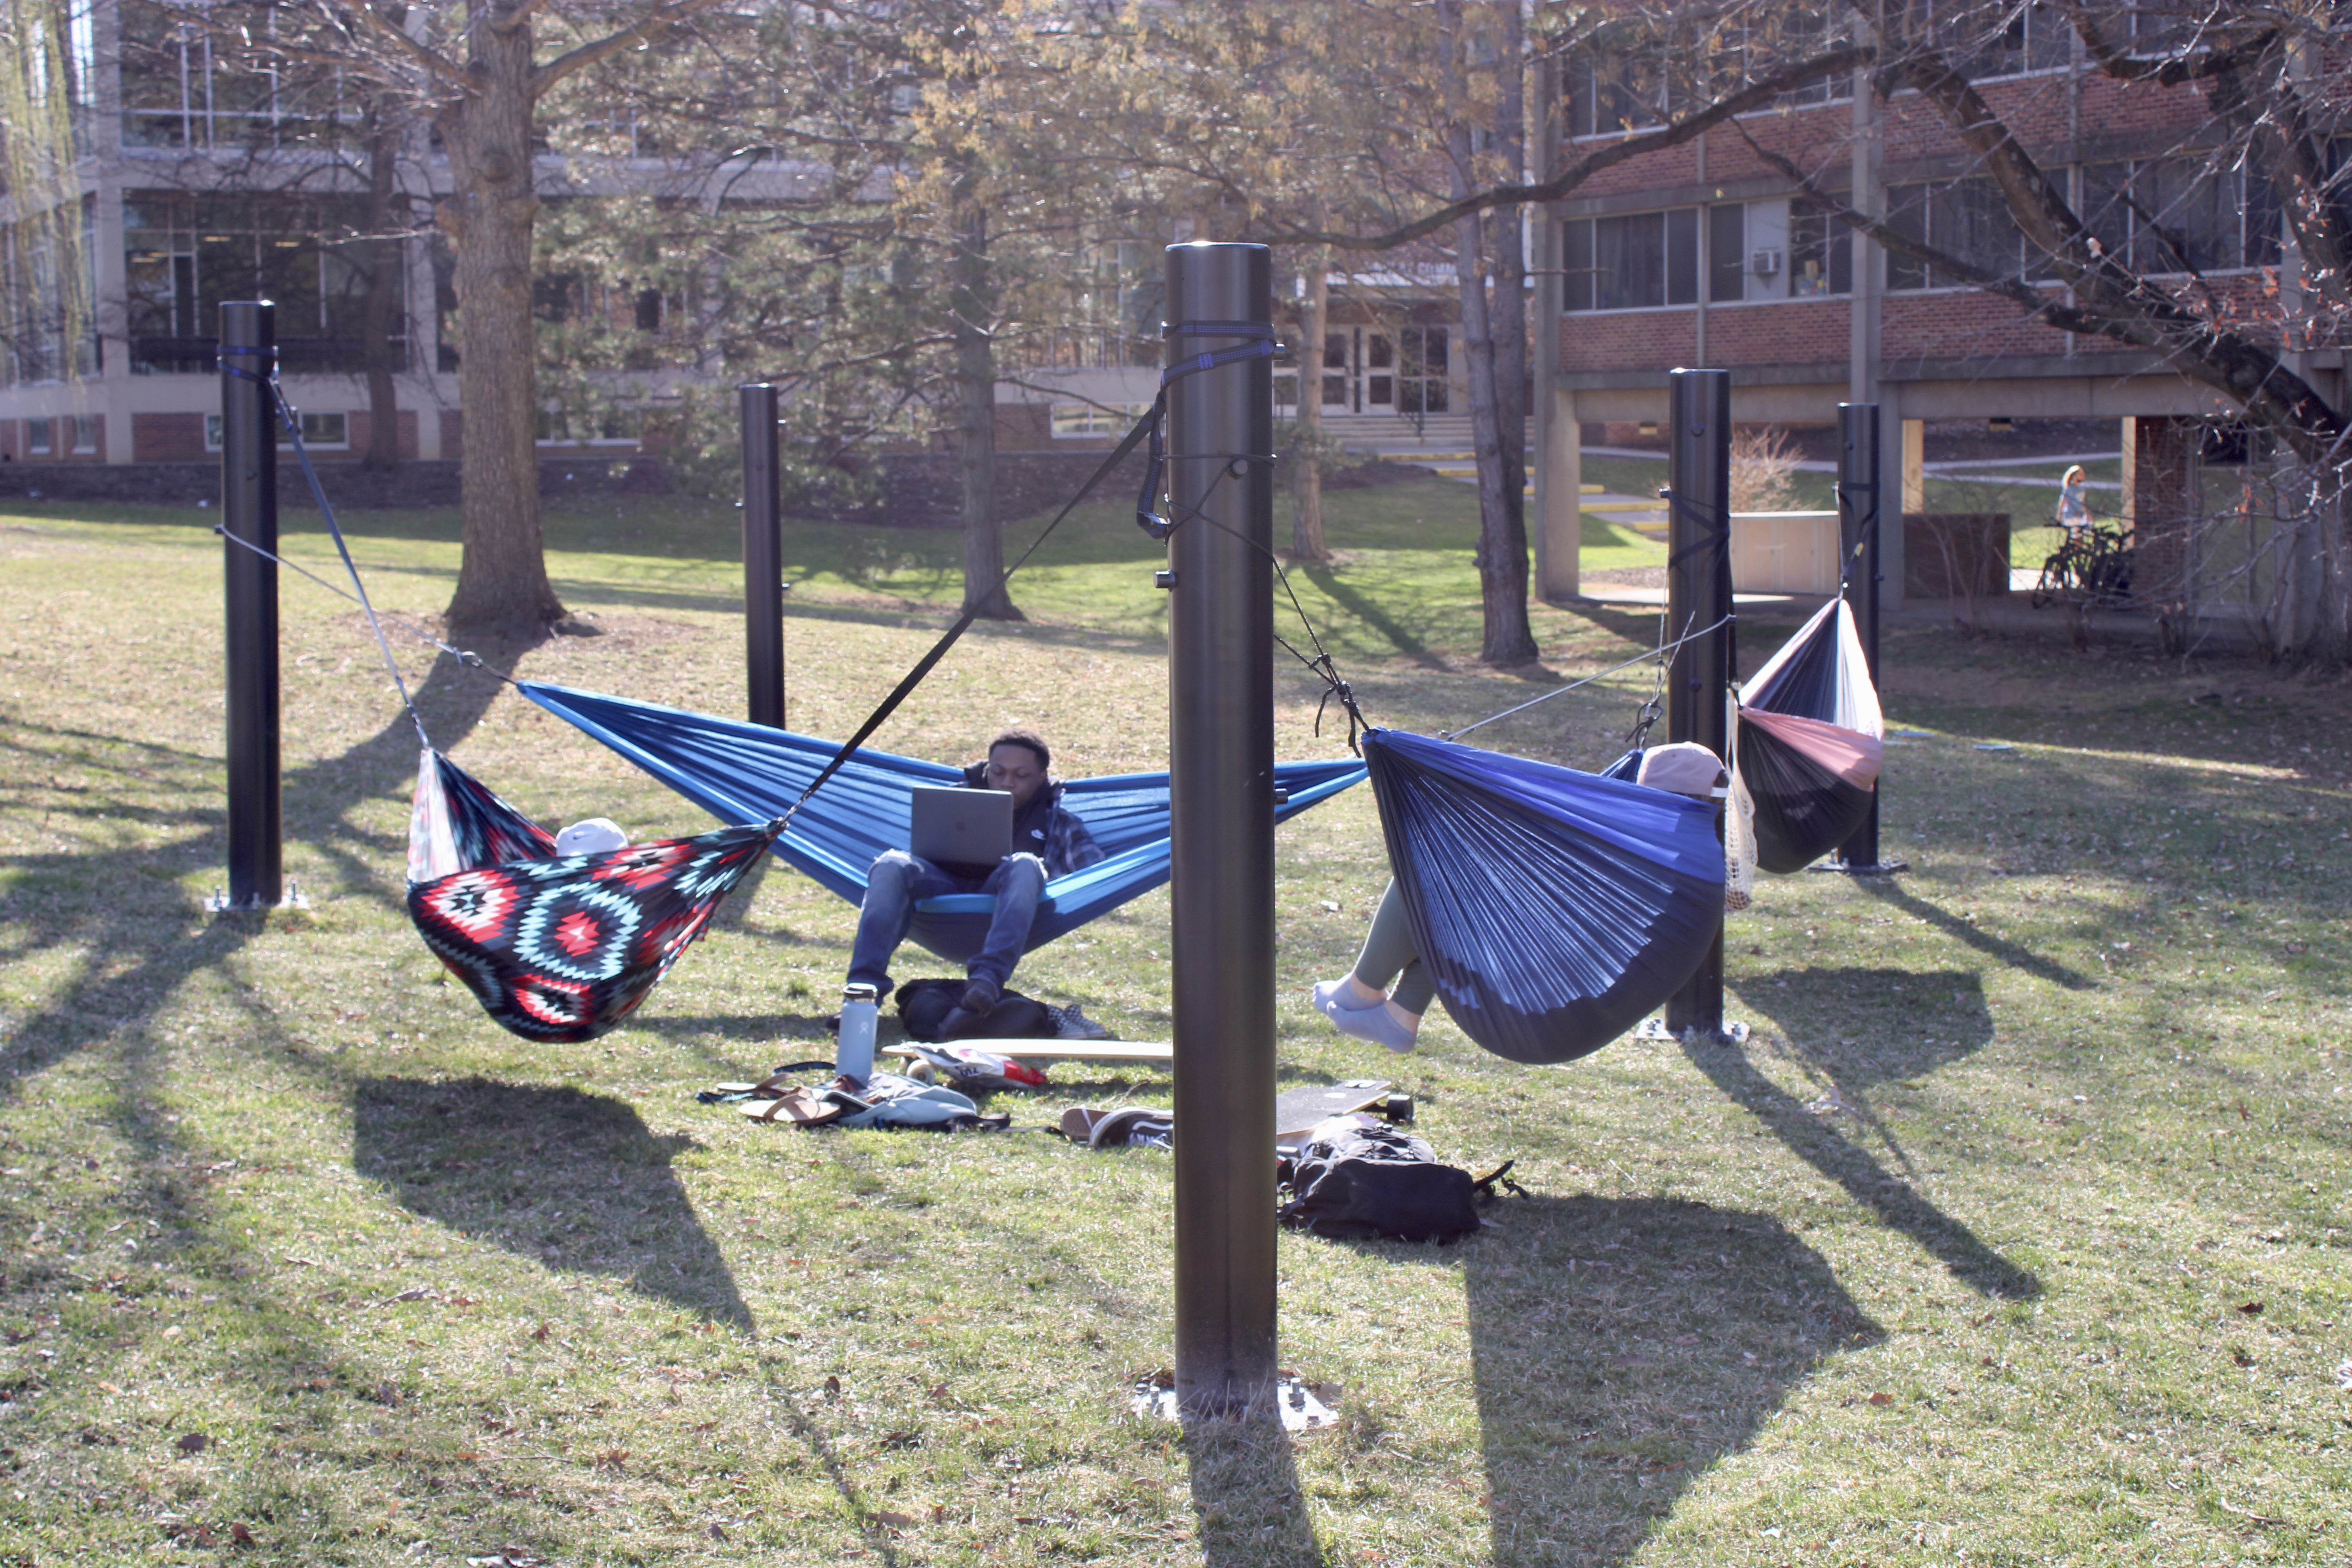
point(1812, 1138)
point(576, 1181)
point(1620, 1347)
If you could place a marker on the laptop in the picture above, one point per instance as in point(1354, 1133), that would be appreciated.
point(957, 826)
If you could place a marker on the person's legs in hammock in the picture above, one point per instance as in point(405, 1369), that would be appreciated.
point(1018, 882)
point(1362, 1003)
point(894, 885)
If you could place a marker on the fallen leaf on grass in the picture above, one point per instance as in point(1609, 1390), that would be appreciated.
point(540, 1334)
point(833, 1387)
point(717, 1532)
point(193, 1443)
point(613, 1458)
point(1881, 1399)
point(2252, 1309)
point(895, 1521)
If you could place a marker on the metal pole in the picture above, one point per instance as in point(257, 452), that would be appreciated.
point(763, 558)
point(249, 513)
point(1221, 754)
point(1858, 520)
point(1698, 594)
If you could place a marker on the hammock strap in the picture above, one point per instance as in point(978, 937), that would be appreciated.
point(1665, 651)
point(1263, 345)
point(293, 423)
point(924, 665)
point(1849, 560)
point(463, 656)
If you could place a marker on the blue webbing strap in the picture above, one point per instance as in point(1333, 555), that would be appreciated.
point(293, 422)
point(1263, 345)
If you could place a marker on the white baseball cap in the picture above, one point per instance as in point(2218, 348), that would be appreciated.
point(592, 836)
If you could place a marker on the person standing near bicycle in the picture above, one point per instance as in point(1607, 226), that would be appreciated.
point(2073, 502)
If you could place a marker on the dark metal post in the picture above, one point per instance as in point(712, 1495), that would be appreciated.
point(763, 558)
point(1698, 594)
point(249, 513)
point(1859, 511)
point(1221, 755)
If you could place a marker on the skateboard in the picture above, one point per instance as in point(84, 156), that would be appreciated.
point(1297, 1111)
point(1064, 1050)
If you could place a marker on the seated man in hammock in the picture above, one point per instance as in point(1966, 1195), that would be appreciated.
point(1382, 998)
point(1048, 842)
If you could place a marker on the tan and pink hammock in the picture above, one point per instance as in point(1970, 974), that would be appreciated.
point(1806, 743)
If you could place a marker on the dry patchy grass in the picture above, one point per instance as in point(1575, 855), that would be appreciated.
point(2014, 1234)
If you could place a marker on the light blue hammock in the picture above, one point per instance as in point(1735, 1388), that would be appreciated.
point(741, 771)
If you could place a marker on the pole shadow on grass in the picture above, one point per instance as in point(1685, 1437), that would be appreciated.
point(140, 940)
point(1887, 890)
point(575, 1181)
point(1620, 1347)
point(1896, 1204)
point(1247, 1511)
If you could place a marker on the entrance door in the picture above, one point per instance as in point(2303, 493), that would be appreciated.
point(1358, 371)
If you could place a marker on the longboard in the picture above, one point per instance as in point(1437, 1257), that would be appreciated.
point(1297, 1111)
point(1064, 1050)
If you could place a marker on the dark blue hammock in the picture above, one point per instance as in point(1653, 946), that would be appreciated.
point(1554, 909)
point(741, 772)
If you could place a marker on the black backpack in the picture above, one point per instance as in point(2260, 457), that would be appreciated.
point(1356, 1181)
point(924, 1005)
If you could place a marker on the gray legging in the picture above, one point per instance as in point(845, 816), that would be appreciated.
point(1389, 955)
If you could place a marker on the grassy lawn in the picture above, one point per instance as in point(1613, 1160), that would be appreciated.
point(2014, 1234)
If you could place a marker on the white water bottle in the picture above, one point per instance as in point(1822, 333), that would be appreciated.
point(853, 1055)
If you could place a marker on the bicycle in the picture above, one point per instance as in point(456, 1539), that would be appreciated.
point(2092, 570)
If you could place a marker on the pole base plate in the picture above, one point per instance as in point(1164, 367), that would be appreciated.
point(1303, 1406)
point(1732, 1033)
point(219, 903)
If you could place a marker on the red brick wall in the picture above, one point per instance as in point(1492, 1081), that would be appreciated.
point(361, 427)
point(1794, 332)
point(1815, 138)
point(167, 438)
point(1961, 325)
point(1614, 342)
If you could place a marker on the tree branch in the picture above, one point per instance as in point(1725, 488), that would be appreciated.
point(589, 54)
point(1756, 95)
point(2142, 316)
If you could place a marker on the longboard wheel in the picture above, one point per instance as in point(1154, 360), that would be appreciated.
point(1398, 1108)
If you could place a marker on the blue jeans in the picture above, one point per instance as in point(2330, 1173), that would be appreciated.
point(899, 881)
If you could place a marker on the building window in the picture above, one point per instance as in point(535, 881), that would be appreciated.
point(83, 429)
point(319, 430)
point(183, 258)
point(1968, 220)
point(1641, 261)
point(1074, 421)
point(1422, 371)
point(1821, 252)
point(1727, 253)
point(38, 441)
point(2178, 215)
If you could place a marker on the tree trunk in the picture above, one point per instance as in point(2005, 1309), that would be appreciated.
point(380, 309)
point(1507, 256)
point(1502, 555)
point(1306, 467)
point(975, 374)
point(502, 583)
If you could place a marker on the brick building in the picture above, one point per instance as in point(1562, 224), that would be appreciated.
point(1707, 255)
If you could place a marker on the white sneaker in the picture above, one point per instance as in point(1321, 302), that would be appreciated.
point(1327, 994)
point(1377, 1023)
point(1069, 1024)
